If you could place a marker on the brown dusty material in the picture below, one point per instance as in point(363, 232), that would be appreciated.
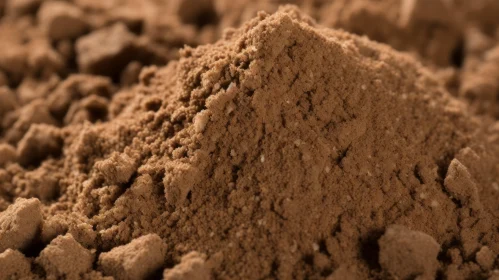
point(14, 265)
point(20, 224)
point(105, 51)
point(191, 266)
point(431, 29)
point(284, 150)
point(61, 20)
point(65, 257)
point(481, 82)
point(136, 260)
point(407, 254)
point(39, 142)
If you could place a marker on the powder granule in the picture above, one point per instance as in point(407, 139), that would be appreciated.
point(191, 266)
point(486, 258)
point(459, 184)
point(7, 154)
point(136, 260)
point(105, 51)
point(39, 142)
point(408, 254)
point(8, 101)
point(20, 224)
point(117, 169)
point(62, 20)
point(14, 265)
point(64, 257)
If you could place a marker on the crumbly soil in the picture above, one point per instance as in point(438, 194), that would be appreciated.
point(216, 139)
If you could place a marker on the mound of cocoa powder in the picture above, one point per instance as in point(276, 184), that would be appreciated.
point(282, 150)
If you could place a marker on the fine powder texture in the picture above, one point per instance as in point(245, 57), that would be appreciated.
point(284, 150)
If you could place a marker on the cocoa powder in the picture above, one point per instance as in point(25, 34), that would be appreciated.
point(285, 149)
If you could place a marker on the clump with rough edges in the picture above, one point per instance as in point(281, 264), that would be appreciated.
point(408, 254)
point(136, 260)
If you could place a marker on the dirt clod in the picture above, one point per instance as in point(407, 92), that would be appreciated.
point(191, 266)
point(136, 260)
point(65, 257)
point(20, 224)
point(106, 51)
point(14, 265)
point(62, 20)
point(407, 254)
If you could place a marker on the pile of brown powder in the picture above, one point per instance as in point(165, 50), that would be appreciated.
point(285, 150)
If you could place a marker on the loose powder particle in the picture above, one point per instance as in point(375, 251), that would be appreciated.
point(20, 224)
point(408, 254)
point(64, 257)
point(14, 265)
point(283, 149)
point(136, 260)
point(191, 266)
point(62, 20)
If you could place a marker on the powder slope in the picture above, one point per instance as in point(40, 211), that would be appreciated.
point(285, 150)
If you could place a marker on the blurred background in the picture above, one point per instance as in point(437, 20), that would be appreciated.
point(43, 42)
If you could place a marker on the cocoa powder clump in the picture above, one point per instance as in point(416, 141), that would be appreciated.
point(14, 265)
point(20, 224)
point(136, 260)
point(65, 257)
point(408, 254)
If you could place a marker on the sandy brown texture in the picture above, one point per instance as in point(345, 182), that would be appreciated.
point(137, 260)
point(62, 20)
point(407, 254)
point(191, 266)
point(64, 257)
point(279, 148)
point(20, 224)
point(14, 265)
point(428, 28)
point(480, 80)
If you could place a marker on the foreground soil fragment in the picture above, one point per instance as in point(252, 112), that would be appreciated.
point(20, 224)
point(62, 20)
point(14, 265)
point(64, 257)
point(39, 142)
point(136, 260)
point(191, 266)
point(407, 254)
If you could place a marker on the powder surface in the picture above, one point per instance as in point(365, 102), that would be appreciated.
point(284, 149)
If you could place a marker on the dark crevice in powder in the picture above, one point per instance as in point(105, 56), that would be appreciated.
point(34, 249)
point(326, 272)
point(458, 54)
point(369, 249)
point(308, 259)
point(417, 174)
point(235, 171)
point(323, 248)
point(343, 154)
point(274, 268)
point(154, 105)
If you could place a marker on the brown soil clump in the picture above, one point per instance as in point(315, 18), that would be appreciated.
point(20, 224)
point(136, 260)
point(283, 149)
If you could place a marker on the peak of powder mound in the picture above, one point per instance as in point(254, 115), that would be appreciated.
point(284, 151)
